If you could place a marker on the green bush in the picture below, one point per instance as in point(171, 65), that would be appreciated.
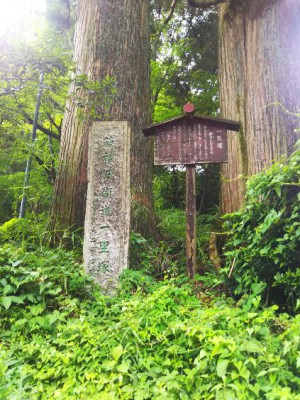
point(62, 339)
point(169, 187)
point(30, 230)
point(156, 259)
point(164, 345)
point(264, 236)
point(173, 226)
point(43, 278)
point(39, 193)
point(10, 189)
point(166, 257)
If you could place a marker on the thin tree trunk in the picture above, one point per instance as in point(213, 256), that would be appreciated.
point(111, 40)
point(33, 139)
point(259, 64)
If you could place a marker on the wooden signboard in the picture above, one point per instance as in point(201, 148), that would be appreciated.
point(189, 140)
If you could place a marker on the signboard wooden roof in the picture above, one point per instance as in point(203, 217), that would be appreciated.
point(190, 139)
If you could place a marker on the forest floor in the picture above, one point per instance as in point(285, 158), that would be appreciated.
point(61, 338)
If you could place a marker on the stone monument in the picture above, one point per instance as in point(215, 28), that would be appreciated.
point(107, 221)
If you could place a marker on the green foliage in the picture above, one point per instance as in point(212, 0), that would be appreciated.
point(165, 258)
point(61, 338)
point(169, 188)
point(135, 281)
point(20, 230)
point(183, 59)
point(9, 190)
point(173, 226)
point(39, 280)
point(93, 98)
point(158, 260)
point(21, 63)
point(264, 237)
point(32, 232)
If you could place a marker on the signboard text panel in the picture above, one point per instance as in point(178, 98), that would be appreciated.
point(190, 143)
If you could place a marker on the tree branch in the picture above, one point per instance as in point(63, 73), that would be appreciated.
point(172, 9)
point(54, 123)
point(205, 3)
point(30, 121)
point(50, 171)
point(5, 92)
point(41, 127)
point(164, 24)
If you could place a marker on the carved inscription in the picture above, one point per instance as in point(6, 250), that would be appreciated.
point(190, 143)
point(106, 235)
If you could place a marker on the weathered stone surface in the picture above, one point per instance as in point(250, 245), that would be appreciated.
point(107, 222)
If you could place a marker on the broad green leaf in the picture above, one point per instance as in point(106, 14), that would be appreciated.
point(202, 354)
point(226, 394)
point(265, 372)
point(16, 263)
point(90, 376)
point(3, 282)
point(222, 367)
point(38, 321)
point(117, 352)
point(7, 289)
point(123, 368)
point(278, 191)
point(109, 365)
point(30, 297)
point(6, 301)
point(37, 309)
point(251, 347)
point(16, 299)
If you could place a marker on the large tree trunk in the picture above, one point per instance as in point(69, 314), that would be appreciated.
point(111, 40)
point(259, 65)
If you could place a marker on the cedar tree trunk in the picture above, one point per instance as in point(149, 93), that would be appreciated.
point(259, 68)
point(111, 40)
point(259, 74)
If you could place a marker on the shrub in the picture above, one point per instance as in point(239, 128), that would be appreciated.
point(156, 259)
point(172, 225)
point(62, 339)
point(29, 230)
point(264, 236)
point(164, 345)
point(32, 232)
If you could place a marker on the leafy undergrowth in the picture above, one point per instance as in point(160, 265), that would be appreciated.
point(263, 246)
point(62, 339)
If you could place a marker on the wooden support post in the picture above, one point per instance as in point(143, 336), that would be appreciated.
point(190, 220)
point(189, 140)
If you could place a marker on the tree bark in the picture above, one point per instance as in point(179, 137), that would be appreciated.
point(111, 40)
point(259, 69)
